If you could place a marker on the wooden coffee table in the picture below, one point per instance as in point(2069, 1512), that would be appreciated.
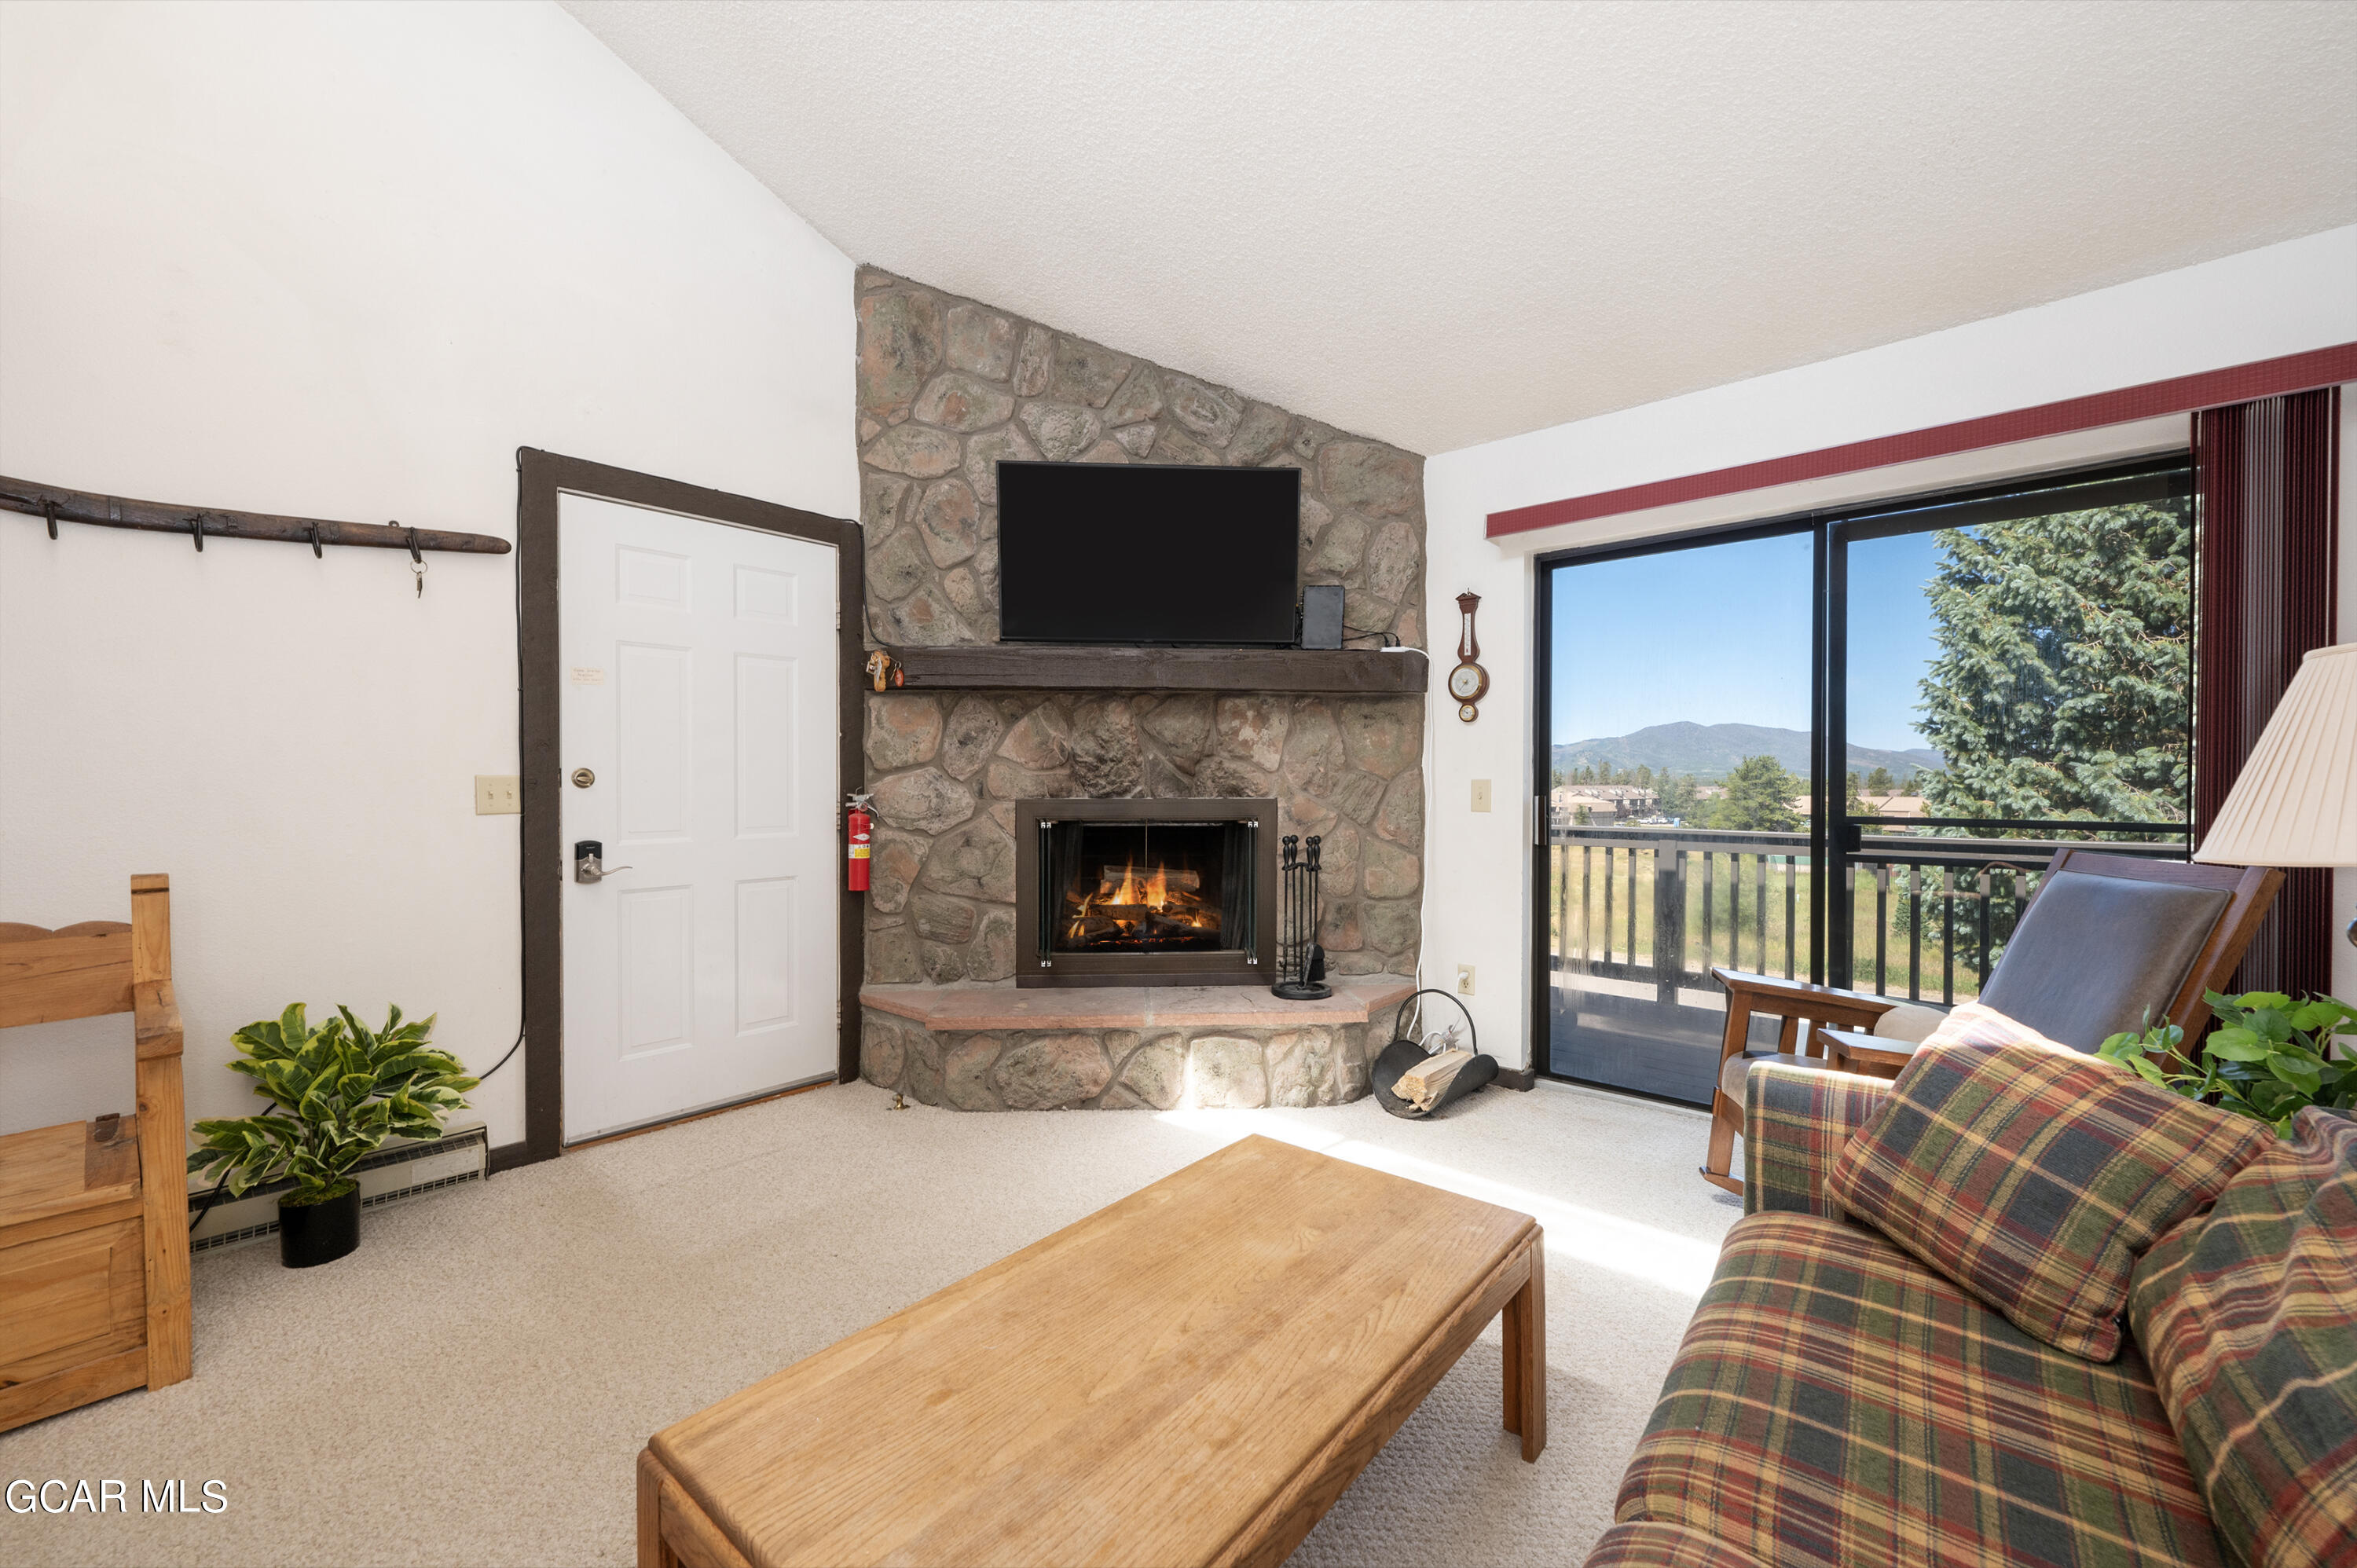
point(1190, 1376)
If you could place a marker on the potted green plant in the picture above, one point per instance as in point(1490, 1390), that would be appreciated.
point(2270, 1057)
point(341, 1091)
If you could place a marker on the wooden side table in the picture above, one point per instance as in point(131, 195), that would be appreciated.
point(1851, 1050)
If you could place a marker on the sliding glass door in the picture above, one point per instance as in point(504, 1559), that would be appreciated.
point(2007, 673)
point(1677, 732)
point(1842, 747)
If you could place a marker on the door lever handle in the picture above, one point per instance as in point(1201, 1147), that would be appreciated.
point(587, 864)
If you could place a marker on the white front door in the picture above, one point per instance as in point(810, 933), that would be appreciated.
point(699, 686)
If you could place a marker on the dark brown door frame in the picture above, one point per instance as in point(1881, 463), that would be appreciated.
point(541, 478)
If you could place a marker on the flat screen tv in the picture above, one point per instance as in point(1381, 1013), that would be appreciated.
point(1171, 555)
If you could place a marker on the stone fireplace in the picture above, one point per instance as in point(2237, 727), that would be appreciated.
point(965, 769)
point(1145, 892)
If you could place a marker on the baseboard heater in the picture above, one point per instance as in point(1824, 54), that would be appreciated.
point(395, 1172)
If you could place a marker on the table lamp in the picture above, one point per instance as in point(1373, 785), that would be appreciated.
point(2294, 802)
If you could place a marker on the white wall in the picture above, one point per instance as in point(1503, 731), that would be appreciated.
point(2280, 300)
point(340, 261)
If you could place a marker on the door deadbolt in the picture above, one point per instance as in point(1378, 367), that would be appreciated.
point(583, 779)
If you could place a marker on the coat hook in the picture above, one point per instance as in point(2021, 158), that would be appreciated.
point(316, 550)
point(197, 527)
point(49, 511)
point(417, 561)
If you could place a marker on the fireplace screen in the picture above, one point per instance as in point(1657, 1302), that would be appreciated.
point(1145, 892)
point(1147, 887)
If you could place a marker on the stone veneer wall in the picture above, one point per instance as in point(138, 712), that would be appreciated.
point(947, 388)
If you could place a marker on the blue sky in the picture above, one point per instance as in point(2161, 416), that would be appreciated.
point(1719, 634)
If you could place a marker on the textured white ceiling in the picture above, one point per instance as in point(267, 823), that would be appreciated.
point(1439, 224)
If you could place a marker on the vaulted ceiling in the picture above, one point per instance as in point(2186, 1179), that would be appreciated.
point(1439, 224)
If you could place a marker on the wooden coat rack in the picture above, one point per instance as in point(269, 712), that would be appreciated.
point(54, 506)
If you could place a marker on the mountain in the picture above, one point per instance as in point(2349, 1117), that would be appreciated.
point(1711, 751)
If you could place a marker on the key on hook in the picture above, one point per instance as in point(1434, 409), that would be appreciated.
point(416, 562)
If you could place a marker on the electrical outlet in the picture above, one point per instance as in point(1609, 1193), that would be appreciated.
point(1464, 980)
point(1480, 794)
point(498, 794)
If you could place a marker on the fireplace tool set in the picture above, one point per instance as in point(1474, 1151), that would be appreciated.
point(1300, 961)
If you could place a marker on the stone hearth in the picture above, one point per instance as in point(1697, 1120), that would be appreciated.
point(996, 1047)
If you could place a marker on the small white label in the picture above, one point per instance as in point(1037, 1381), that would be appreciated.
point(583, 675)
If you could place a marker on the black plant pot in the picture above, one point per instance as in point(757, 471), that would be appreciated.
point(310, 1234)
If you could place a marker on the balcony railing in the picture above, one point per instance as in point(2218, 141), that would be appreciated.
point(1929, 915)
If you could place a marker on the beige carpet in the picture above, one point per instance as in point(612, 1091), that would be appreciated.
point(474, 1384)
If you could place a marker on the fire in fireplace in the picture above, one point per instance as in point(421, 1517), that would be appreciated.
point(1145, 892)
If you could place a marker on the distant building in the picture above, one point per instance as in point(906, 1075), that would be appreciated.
point(1604, 802)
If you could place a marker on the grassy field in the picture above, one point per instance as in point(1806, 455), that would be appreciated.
point(1578, 872)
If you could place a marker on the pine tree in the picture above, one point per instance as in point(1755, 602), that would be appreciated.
point(1759, 796)
point(2060, 686)
point(1879, 782)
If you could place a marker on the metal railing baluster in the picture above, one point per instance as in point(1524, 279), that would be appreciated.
point(1882, 930)
point(1947, 935)
point(1607, 902)
point(1759, 890)
point(1632, 906)
point(1707, 952)
point(1915, 934)
point(1980, 981)
point(1586, 932)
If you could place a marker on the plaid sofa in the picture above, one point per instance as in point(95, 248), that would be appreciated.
point(1835, 1402)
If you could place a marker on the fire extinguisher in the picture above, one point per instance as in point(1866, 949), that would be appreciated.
point(863, 828)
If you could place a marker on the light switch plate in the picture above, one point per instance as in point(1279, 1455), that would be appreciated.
point(1464, 980)
point(498, 794)
point(1480, 794)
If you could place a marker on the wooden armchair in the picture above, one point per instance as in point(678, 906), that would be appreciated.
point(94, 1216)
point(2108, 942)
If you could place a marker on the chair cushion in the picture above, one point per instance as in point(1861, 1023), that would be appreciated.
point(1835, 1401)
point(1909, 1020)
point(1978, 1024)
point(2095, 956)
point(2034, 1177)
point(2249, 1317)
point(1734, 1069)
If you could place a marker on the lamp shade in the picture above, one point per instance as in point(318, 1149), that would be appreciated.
point(2294, 802)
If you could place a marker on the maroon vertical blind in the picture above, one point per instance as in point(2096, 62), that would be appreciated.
point(2267, 476)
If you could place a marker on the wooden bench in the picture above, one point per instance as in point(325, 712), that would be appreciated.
point(94, 1216)
point(1191, 1376)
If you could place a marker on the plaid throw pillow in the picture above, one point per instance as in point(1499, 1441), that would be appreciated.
point(2034, 1177)
point(2248, 1315)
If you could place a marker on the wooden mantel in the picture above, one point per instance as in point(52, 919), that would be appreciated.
point(1027, 667)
